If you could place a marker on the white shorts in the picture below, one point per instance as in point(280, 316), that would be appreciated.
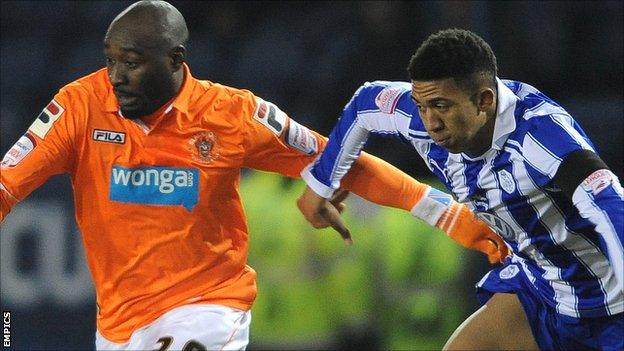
point(190, 327)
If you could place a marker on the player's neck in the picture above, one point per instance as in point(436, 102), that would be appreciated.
point(484, 137)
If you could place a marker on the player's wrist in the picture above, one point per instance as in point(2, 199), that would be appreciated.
point(433, 206)
point(314, 184)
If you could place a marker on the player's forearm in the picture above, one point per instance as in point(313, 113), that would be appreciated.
point(380, 182)
point(384, 184)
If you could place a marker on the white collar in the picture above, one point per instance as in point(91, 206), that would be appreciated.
point(505, 121)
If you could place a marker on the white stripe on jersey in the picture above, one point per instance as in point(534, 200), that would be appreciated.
point(537, 154)
point(355, 139)
point(380, 122)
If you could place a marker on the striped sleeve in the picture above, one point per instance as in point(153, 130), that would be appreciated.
point(549, 140)
point(600, 199)
point(373, 109)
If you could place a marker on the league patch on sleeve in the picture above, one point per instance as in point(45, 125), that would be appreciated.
point(42, 125)
point(387, 99)
point(301, 138)
point(597, 181)
point(21, 149)
point(270, 115)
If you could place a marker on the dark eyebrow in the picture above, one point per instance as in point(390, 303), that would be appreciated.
point(436, 100)
point(432, 101)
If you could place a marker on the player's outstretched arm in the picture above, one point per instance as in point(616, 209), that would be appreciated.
point(382, 183)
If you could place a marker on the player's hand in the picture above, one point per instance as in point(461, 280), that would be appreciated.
point(323, 213)
point(464, 227)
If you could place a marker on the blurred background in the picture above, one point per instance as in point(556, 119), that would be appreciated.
point(403, 285)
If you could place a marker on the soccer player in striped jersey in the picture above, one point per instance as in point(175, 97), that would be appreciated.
point(525, 166)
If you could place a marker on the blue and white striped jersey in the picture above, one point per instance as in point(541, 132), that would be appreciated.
point(573, 260)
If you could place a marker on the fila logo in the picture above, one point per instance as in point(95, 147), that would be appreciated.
point(270, 115)
point(109, 136)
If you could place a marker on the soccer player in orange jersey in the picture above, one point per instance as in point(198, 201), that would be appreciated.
point(155, 156)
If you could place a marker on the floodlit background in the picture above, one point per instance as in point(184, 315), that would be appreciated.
point(402, 285)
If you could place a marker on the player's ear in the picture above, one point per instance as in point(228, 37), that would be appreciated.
point(177, 56)
point(485, 99)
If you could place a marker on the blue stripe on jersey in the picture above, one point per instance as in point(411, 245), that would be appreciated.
point(555, 137)
point(436, 160)
point(471, 173)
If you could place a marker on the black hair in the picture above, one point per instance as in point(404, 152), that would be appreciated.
point(458, 54)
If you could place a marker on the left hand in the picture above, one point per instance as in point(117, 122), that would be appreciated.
point(461, 225)
point(322, 213)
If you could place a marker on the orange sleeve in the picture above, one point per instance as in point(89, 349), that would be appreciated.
point(284, 146)
point(275, 143)
point(382, 183)
point(46, 149)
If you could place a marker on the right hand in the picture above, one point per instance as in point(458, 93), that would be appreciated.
point(323, 213)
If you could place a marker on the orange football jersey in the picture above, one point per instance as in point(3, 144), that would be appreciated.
point(157, 198)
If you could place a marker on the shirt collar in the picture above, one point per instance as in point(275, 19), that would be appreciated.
point(505, 121)
point(180, 102)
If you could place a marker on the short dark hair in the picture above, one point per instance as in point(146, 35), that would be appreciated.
point(458, 54)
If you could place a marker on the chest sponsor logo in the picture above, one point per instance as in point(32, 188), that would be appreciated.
point(387, 99)
point(498, 225)
point(21, 149)
point(202, 147)
point(42, 125)
point(109, 136)
point(155, 186)
point(509, 272)
point(506, 181)
point(270, 115)
point(301, 138)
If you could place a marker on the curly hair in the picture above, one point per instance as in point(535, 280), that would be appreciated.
point(458, 54)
